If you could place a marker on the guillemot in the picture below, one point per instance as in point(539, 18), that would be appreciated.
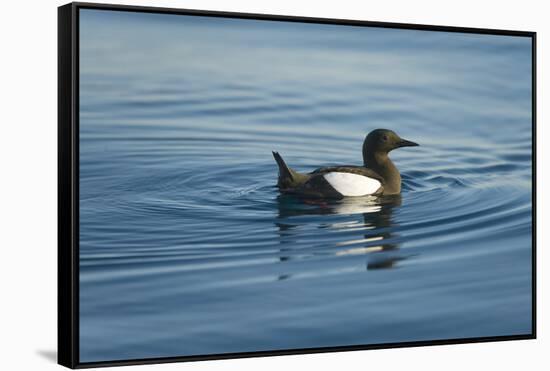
point(377, 176)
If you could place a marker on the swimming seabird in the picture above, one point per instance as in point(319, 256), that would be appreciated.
point(377, 176)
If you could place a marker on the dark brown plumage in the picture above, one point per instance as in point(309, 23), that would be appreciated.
point(377, 176)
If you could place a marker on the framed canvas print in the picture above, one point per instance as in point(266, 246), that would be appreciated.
point(236, 185)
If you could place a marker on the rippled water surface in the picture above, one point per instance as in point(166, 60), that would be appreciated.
point(186, 245)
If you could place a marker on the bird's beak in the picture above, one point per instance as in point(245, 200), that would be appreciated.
point(406, 143)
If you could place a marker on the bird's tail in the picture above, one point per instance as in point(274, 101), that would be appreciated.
point(284, 171)
point(288, 178)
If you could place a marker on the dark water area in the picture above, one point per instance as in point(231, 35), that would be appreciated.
point(186, 245)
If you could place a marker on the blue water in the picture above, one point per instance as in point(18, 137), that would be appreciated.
point(186, 245)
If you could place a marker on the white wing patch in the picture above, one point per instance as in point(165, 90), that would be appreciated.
point(349, 184)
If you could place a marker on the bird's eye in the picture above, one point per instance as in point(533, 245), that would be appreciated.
point(385, 137)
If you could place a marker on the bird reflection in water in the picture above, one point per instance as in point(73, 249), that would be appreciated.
point(378, 242)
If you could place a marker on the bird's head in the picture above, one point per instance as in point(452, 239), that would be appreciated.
point(382, 141)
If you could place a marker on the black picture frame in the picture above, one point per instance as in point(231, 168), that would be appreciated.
point(68, 182)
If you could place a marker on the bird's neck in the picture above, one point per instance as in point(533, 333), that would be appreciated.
point(383, 166)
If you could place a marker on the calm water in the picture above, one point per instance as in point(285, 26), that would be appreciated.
point(186, 246)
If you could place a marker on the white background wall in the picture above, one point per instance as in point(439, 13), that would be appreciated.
point(28, 181)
